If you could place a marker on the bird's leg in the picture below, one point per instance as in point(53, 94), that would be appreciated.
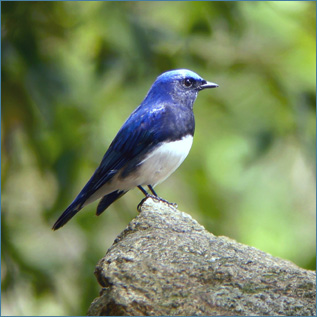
point(154, 196)
point(143, 190)
point(152, 190)
point(159, 198)
point(144, 199)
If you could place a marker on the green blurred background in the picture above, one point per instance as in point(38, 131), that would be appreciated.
point(72, 72)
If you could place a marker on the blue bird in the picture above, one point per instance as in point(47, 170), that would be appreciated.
point(150, 145)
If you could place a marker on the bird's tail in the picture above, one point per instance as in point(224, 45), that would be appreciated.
point(79, 203)
point(68, 214)
point(107, 200)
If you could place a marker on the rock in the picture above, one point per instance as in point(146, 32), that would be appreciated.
point(165, 263)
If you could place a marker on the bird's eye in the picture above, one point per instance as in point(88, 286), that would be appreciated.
point(188, 82)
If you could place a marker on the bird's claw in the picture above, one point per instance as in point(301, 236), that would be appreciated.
point(157, 199)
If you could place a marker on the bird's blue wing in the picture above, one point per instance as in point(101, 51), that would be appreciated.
point(140, 133)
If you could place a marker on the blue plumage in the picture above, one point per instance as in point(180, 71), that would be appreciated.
point(150, 145)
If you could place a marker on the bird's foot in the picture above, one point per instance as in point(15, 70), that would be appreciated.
point(157, 199)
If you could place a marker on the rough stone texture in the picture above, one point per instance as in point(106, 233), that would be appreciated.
point(165, 263)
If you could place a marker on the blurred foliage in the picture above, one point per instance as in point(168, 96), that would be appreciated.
point(71, 74)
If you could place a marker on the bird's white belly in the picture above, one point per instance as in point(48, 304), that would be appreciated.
point(154, 169)
point(163, 161)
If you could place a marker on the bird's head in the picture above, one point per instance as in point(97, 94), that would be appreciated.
point(181, 85)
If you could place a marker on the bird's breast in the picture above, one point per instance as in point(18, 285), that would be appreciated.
point(163, 161)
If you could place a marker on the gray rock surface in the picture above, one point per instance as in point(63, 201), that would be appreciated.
point(165, 263)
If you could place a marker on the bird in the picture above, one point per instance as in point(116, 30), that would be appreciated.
point(150, 145)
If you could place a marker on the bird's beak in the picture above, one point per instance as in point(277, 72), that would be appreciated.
point(207, 84)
